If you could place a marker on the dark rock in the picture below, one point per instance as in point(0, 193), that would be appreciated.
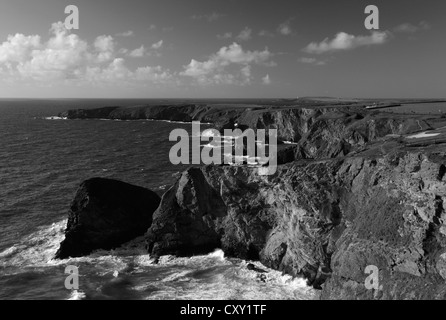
point(105, 214)
point(97, 113)
point(185, 222)
point(252, 267)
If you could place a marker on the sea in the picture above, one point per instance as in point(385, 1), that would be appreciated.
point(43, 160)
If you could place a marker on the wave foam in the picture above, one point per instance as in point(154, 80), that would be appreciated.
point(129, 270)
point(77, 295)
point(37, 249)
point(55, 118)
point(219, 254)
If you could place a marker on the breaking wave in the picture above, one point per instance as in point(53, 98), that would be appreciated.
point(128, 272)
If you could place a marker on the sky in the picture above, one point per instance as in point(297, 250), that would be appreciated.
point(222, 49)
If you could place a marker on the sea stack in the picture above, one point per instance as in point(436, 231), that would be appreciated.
point(105, 214)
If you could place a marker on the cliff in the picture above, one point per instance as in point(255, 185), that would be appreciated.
point(321, 132)
point(356, 190)
point(326, 219)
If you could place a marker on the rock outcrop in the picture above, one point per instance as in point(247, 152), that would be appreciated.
point(327, 219)
point(98, 113)
point(105, 214)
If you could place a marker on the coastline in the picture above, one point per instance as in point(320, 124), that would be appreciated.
point(363, 144)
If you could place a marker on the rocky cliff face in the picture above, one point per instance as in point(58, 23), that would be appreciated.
point(319, 132)
point(319, 219)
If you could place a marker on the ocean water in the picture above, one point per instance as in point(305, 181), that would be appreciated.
point(43, 159)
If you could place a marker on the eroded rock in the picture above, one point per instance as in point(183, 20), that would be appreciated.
point(325, 220)
point(105, 214)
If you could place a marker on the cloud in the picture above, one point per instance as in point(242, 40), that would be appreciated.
point(345, 41)
point(152, 27)
point(266, 80)
point(142, 51)
point(154, 74)
point(117, 72)
point(138, 53)
point(125, 34)
point(308, 60)
point(245, 34)
point(235, 54)
point(410, 28)
point(123, 51)
point(105, 46)
point(314, 61)
point(18, 48)
point(210, 17)
point(285, 28)
point(227, 35)
point(266, 33)
point(217, 69)
point(157, 45)
point(66, 58)
point(60, 56)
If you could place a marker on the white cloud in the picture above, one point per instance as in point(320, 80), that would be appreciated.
point(308, 60)
point(217, 68)
point(285, 28)
point(226, 35)
point(125, 34)
point(18, 48)
point(142, 51)
point(104, 43)
point(67, 58)
point(246, 75)
point(210, 17)
point(245, 34)
point(155, 74)
point(266, 80)
point(59, 57)
point(235, 54)
point(138, 53)
point(152, 27)
point(266, 33)
point(105, 46)
point(116, 70)
point(410, 28)
point(123, 51)
point(157, 45)
point(345, 41)
point(314, 61)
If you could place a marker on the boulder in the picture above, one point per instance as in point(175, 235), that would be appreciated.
point(105, 214)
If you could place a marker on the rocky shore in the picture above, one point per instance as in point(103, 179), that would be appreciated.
point(359, 188)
